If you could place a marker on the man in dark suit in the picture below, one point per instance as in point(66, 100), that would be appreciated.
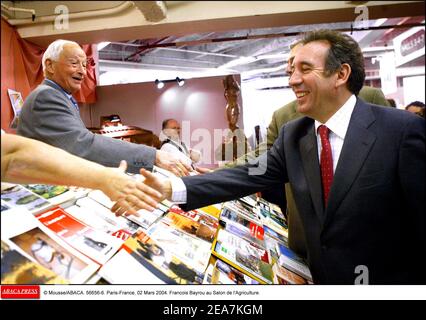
point(50, 114)
point(296, 236)
point(360, 191)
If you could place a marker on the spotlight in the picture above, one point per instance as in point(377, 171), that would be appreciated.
point(180, 81)
point(160, 84)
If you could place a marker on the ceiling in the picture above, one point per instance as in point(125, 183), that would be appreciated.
point(251, 52)
point(226, 46)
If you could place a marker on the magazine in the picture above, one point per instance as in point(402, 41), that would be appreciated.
point(57, 195)
point(291, 261)
point(161, 262)
point(285, 276)
point(189, 249)
point(126, 268)
point(97, 245)
point(223, 273)
point(49, 253)
point(17, 103)
point(18, 269)
point(246, 256)
point(107, 218)
point(18, 196)
point(193, 222)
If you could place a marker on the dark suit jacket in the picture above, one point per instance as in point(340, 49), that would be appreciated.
point(376, 211)
point(296, 236)
point(48, 115)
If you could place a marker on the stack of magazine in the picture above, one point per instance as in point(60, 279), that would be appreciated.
point(61, 235)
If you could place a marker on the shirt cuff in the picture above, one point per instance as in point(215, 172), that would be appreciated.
point(178, 190)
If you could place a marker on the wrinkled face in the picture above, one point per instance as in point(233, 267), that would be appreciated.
point(314, 90)
point(172, 129)
point(70, 69)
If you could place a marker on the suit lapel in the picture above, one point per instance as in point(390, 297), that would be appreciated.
point(69, 102)
point(309, 154)
point(358, 143)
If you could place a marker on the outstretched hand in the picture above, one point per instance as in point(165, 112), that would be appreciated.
point(168, 161)
point(130, 194)
point(161, 185)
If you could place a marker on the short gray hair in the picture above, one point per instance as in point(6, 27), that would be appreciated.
point(54, 50)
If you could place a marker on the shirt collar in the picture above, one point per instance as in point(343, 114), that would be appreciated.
point(339, 122)
point(59, 87)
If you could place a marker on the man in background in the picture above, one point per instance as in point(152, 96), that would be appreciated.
point(172, 143)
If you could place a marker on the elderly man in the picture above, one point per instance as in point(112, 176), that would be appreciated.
point(356, 170)
point(50, 114)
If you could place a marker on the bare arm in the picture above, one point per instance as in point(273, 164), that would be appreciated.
point(26, 160)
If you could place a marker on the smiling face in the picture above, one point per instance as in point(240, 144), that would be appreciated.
point(315, 90)
point(69, 70)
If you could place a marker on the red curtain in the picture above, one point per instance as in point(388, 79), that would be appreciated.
point(21, 70)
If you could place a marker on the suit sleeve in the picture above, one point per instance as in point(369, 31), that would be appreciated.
point(58, 124)
point(223, 185)
point(412, 173)
point(273, 130)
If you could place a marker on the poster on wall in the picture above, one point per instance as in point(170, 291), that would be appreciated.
point(17, 102)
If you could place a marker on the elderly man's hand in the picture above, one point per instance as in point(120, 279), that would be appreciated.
point(130, 194)
point(168, 161)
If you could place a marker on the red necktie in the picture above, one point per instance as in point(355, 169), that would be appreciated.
point(326, 162)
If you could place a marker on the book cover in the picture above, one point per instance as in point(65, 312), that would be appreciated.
point(18, 269)
point(50, 254)
point(285, 276)
point(290, 260)
point(161, 262)
point(191, 250)
point(126, 268)
point(97, 245)
point(246, 256)
point(273, 234)
point(111, 222)
point(18, 196)
point(193, 222)
point(213, 210)
point(223, 273)
point(57, 195)
point(17, 103)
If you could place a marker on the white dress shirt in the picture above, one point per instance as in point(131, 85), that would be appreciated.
point(338, 125)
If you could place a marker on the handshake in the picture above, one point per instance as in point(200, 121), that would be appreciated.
point(131, 195)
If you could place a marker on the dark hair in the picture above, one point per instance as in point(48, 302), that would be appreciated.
point(415, 104)
point(392, 102)
point(165, 123)
point(343, 49)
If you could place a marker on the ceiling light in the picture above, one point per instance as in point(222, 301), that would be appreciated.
point(160, 84)
point(180, 81)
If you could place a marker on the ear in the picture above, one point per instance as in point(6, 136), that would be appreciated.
point(343, 74)
point(49, 66)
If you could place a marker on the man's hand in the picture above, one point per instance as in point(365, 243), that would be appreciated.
point(130, 194)
point(168, 161)
point(202, 170)
point(161, 185)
